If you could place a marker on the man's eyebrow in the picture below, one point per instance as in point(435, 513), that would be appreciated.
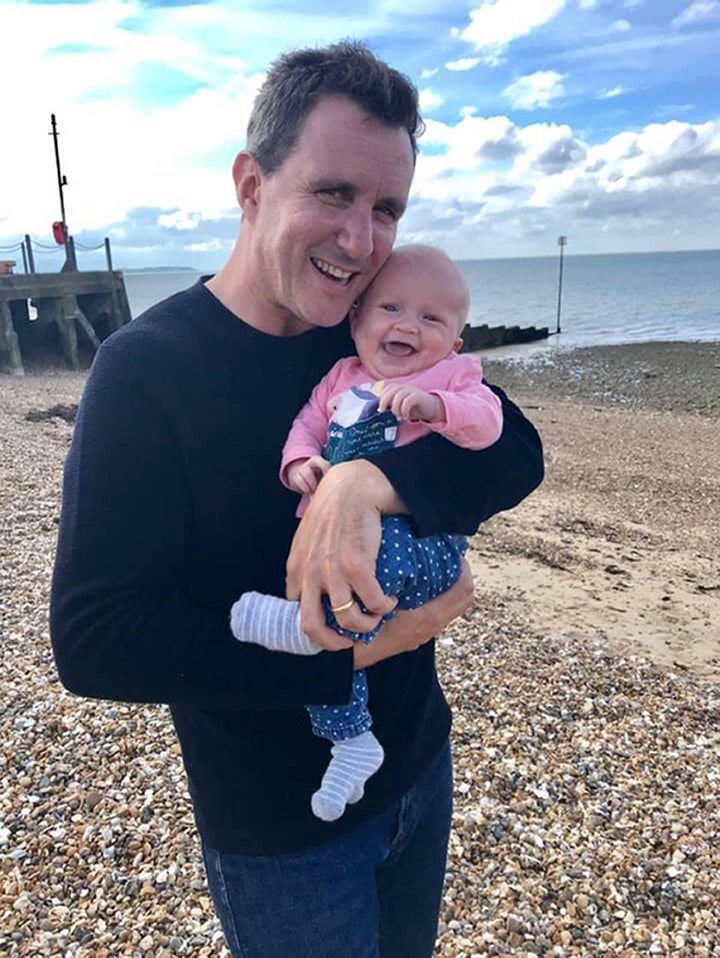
point(340, 186)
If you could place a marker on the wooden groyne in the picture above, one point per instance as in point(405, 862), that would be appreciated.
point(74, 312)
point(486, 337)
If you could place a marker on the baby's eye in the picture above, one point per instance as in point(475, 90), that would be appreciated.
point(432, 318)
point(389, 307)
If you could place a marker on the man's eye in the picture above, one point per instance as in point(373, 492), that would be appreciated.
point(388, 213)
point(332, 195)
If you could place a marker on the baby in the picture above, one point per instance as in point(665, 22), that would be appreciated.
point(406, 380)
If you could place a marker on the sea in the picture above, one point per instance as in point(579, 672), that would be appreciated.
point(603, 299)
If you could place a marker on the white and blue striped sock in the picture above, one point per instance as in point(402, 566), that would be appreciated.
point(353, 762)
point(271, 622)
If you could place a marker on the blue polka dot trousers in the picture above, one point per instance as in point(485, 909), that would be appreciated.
point(411, 568)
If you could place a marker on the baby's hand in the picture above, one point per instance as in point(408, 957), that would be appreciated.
point(303, 475)
point(409, 402)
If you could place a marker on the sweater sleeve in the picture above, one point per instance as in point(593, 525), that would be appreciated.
point(450, 489)
point(122, 624)
point(473, 413)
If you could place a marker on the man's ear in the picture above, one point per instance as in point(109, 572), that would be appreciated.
point(247, 176)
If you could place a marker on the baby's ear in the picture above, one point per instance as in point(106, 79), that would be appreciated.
point(457, 345)
point(353, 314)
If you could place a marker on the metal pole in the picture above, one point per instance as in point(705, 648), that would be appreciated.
point(62, 181)
point(31, 260)
point(70, 259)
point(108, 254)
point(562, 242)
point(24, 256)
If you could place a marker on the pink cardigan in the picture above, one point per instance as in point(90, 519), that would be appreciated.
point(473, 413)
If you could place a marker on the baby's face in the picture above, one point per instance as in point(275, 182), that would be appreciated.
point(412, 315)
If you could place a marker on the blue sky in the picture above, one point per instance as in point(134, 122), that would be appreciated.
point(598, 119)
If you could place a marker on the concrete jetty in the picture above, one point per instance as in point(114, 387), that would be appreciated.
point(57, 319)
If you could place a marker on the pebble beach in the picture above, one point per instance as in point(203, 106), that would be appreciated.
point(584, 683)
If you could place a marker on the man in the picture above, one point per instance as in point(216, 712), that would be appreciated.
point(172, 509)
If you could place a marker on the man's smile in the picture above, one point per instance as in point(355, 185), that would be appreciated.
point(341, 276)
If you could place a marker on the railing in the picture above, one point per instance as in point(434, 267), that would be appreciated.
point(29, 246)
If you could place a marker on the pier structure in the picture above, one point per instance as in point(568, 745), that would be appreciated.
point(51, 319)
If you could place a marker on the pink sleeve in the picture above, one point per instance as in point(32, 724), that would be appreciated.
point(308, 433)
point(473, 413)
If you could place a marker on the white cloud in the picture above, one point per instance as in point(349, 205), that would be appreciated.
point(106, 118)
point(153, 110)
point(610, 94)
point(430, 100)
point(621, 26)
point(697, 11)
point(179, 220)
point(535, 90)
point(466, 63)
point(498, 182)
point(496, 23)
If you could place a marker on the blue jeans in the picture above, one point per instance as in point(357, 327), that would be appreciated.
point(415, 570)
point(375, 892)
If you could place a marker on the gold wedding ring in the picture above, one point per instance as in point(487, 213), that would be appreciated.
point(335, 609)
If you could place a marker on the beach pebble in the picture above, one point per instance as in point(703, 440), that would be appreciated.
point(586, 813)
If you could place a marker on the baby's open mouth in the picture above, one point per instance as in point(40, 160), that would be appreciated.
point(396, 348)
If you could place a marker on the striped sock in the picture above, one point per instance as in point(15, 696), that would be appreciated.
point(271, 622)
point(353, 761)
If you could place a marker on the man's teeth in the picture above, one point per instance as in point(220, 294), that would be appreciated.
point(342, 275)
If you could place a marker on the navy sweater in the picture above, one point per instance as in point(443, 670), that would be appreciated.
point(172, 508)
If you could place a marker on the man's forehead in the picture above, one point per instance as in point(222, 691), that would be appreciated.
point(340, 118)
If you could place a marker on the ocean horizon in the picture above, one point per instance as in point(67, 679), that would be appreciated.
point(607, 298)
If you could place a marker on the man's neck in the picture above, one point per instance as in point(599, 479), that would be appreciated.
point(236, 293)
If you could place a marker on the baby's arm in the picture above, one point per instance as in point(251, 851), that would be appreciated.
point(465, 411)
point(303, 475)
point(301, 455)
point(411, 402)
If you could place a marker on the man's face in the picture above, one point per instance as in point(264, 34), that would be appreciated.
point(325, 221)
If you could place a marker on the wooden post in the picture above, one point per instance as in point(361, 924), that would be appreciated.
point(562, 243)
point(10, 357)
point(70, 257)
point(31, 259)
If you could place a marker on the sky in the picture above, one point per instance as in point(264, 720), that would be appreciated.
point(594, 119)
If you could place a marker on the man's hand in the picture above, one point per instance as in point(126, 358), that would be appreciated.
point(303, 475)
point(335, 550)
point(409, 402)
point(407, 631)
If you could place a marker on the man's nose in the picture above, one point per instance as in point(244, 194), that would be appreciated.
point(356, 236)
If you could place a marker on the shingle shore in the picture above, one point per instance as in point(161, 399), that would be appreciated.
point(586, 822)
